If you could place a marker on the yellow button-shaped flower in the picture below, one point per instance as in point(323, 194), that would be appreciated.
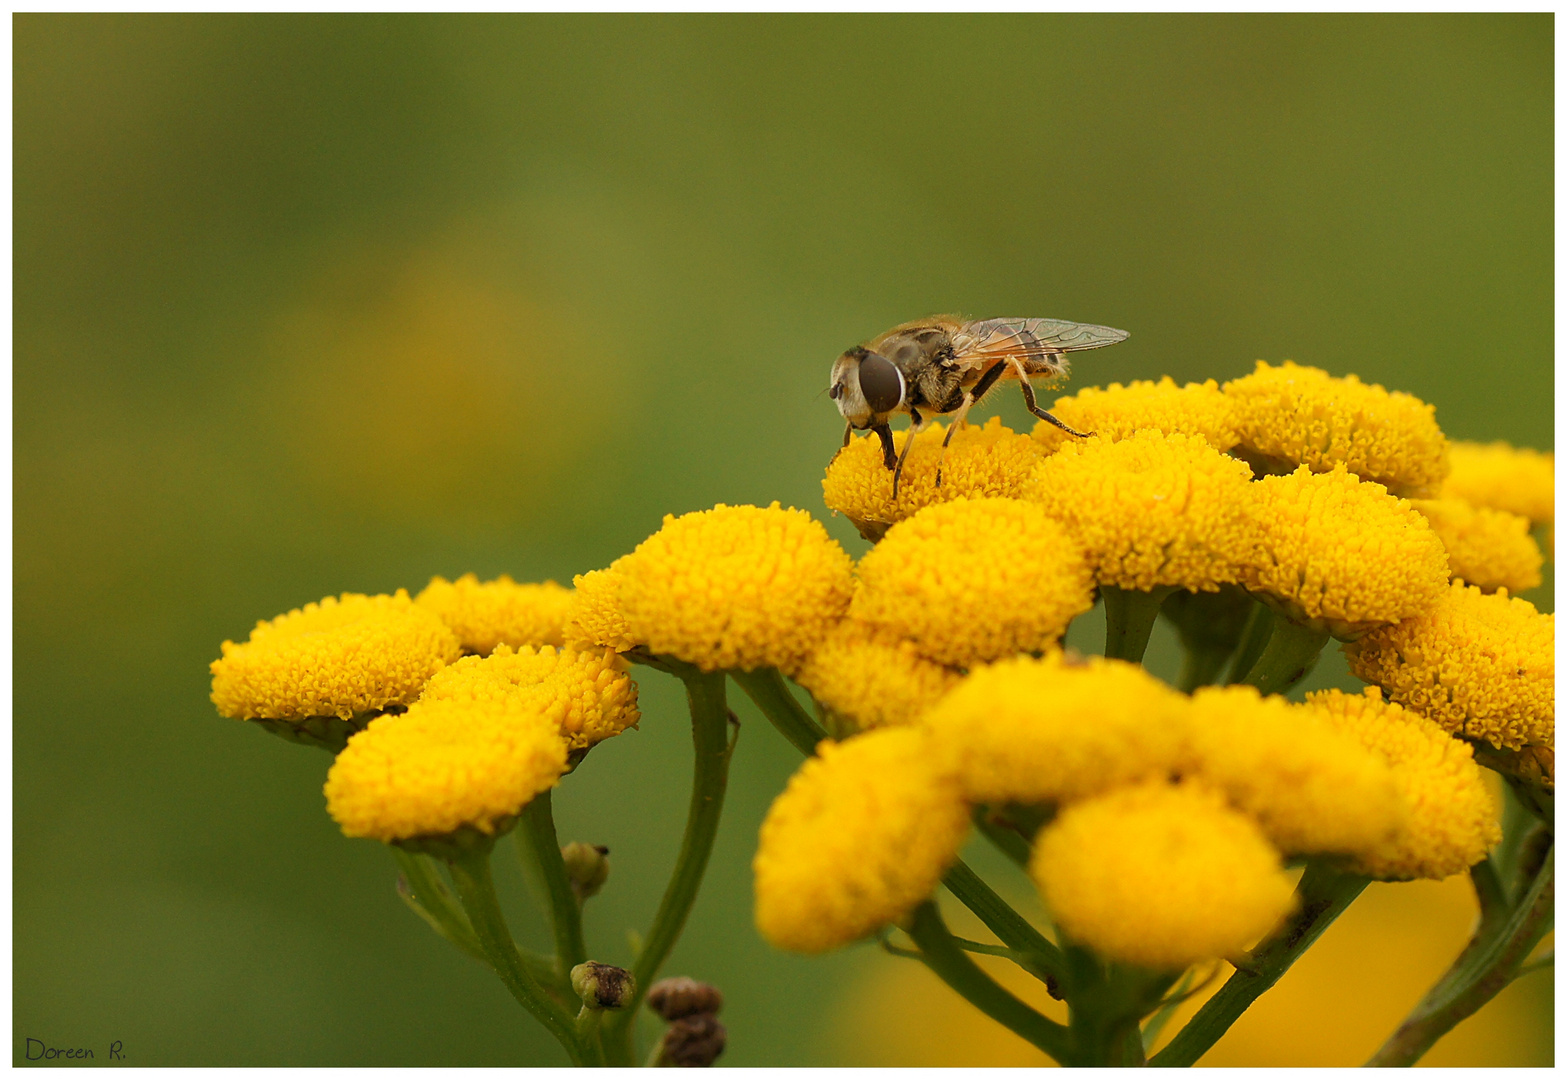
point(1499, 476)
point(595, 618)
point(1113, 413)
point(486, 614)
point(1491, 549)
point(873, 679)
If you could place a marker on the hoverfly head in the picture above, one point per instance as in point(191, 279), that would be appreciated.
point(866, 386)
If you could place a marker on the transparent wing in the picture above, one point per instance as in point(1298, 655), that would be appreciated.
point(1032, 338)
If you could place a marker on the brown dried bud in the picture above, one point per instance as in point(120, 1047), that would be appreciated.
point(693, 1042)
point(680, 996)
point(602, 986)
point(587, 868)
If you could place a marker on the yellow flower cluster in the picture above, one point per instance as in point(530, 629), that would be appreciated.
point(1152, 509)
point(594, 619)
point(873, 679)
point(1488, 548)
point(1304, 416)
point(1113, 413)
point(1482, 666)
point(344, 656)
point(484, 615)
point(1495, 475)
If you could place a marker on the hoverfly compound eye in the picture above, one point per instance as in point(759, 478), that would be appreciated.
point(881, 383)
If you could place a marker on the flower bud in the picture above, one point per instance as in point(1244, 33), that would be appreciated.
point(693, 1042)
point(681, 996)
point(603, 986)
point(587, 867)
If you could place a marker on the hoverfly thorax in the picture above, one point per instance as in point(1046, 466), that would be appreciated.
point(867, 387)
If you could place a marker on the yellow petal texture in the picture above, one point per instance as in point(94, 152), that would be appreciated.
point(1152, 509)
point(484, 615)
point(1499, 476)
point(345, 655)
point(979, 462)
point(1491, 549)
point(588, 696)
point(1311, 789)
point(1048, 730)
point(1483, 667)
point(735, 587)
point(595, 618)
point(441, 766)
point(1159, 875)
point(1304, 416)
point(871, 678)
point(1343, 554)
point(1116, 411)
point(861, 835)
point(975, 579)
point(1451, 819)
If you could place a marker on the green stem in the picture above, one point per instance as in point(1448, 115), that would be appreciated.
point(422, 890)
point(710, 777)
point(1201, 667)
point(1014, 930)
point(766, 687)
point(1011, 843)
point(947, 960)
point(1323, 894)
point(471, 875)
point(1478, 975)
point(1259, 628)
point(1129, 618)
point(1291, 652)
point(538, 842)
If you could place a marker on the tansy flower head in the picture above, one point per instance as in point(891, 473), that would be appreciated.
point(594, 618)
point(1496, 475)
point(343, 656)
point(1117, 411)
point(975, 579)
point(587, 696)
point(1483, 667)
point(1304, 416)
point(1342, 554)
point(1043, 731)
point(439, 767)
point(1152, 509)
point(980, 461)
point(1161, 876)
point(871, 678)
point(861, 835)
point(735, 587)
point(1488, 548)
point(1451, 817)
point(488, 614)
point(1312, 789)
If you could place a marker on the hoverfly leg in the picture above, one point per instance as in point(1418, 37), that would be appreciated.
point(959, 418)
point(1033, 406)
point(848, 433)
point(915, 427)
point(889, 455)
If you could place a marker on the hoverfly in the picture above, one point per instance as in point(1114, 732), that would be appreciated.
point(943, 365)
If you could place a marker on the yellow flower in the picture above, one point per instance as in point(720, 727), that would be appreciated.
point(1152, 509)
point(1197, 409)
point(1042, 731)
point(595, 619)
point(1488, 548)
point(1312, 789)
point(1161, 876)
point(980, 461)
point(441, 766)
point(1483, 667)
point(975, 579)
point(1304, 416)
point(587, 695)
point(343, 656)
point(871, 678)
point(485, 615)
point(861, 835)
point(1495, 475)
point(1342, 554)
point(1451, 819)
point(735, 587)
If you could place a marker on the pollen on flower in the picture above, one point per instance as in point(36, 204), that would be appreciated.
point(861, 835)
point(1304, 416)
point(1159, 875)
point(736, 587)
point(1451, 814)
point(1498, 476)
point(484, 615)
point(975, 579)
point(1152, 509)
point(345, 655)
point(1312, 790)
point(871, 678)
point(1342, 554)
point(595, 618)
point(1113, 413)
point(1483, 667)
point(440, 766)
point(979, 462)
point(1491, 549)
point(1049, 730)
point(588, 696)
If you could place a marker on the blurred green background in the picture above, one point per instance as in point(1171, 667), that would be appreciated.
point(314, 304)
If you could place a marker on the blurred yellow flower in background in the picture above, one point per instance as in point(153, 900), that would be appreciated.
point(1488, 548)
point(1116, 411)
point(484, 615)
point(1501, 477)
point(873, 678)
